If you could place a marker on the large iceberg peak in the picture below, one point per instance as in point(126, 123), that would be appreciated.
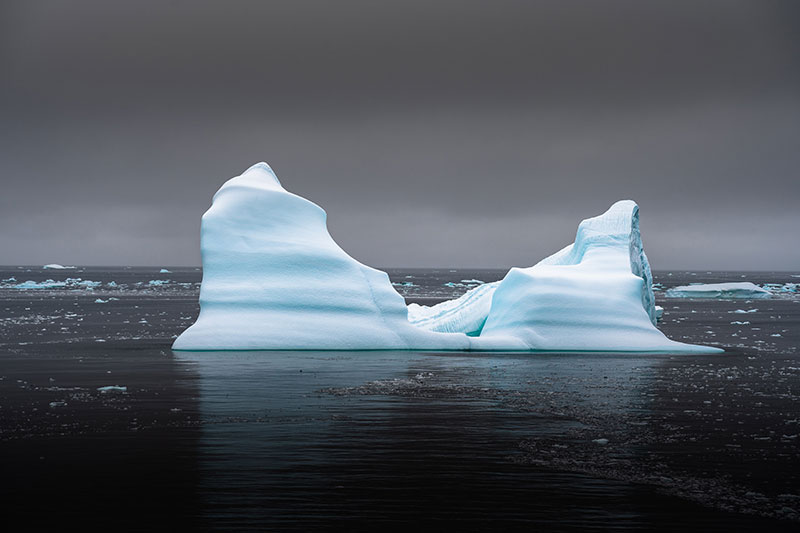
point(262, 171)
point(259, 176)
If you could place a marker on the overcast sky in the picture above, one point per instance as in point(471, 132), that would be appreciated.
point(433, 133)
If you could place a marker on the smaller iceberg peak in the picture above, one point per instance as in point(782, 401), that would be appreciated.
point(616, 221)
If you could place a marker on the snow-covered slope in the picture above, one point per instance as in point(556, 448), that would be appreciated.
point(739, 289)
point(273, 278)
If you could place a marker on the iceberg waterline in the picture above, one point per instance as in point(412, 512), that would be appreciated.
point(274, 279)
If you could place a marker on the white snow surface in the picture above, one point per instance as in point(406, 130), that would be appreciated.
point(274, 279)
point(738, 289)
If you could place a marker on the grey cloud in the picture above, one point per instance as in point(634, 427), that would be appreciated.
point(447, 133)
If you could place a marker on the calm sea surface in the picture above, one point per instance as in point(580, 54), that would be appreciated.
point(102, 425)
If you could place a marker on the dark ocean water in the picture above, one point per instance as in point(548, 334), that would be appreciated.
point(366, 440)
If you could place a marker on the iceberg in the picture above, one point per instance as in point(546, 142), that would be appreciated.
point(56, 266)
point(738, 289)
point(274, 279)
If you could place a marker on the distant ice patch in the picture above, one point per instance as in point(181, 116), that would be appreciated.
point(56, 266)
point(778, 288)
point(738, 289)
point(69, 283)
point(112, 388)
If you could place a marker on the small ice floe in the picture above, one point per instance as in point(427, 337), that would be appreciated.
point(743, 311)
point(473, 281)
point(101, 301)
point(785, 288)
point(739, 289)
point(740, 322)
point(46, 284)
point(69, 283)
point(54, 405)
point(164, 271)
point(111, 388)
point(158, 282)
point(56, 266)
point(659, 312)
point(403, 284)
point(601, 442)
point(99, 340)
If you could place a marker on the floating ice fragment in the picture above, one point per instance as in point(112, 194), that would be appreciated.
point(739, 289)
point(56, 266)
point(47, 284)
point(164, 271)
point(112, 388)
point(781, 287)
